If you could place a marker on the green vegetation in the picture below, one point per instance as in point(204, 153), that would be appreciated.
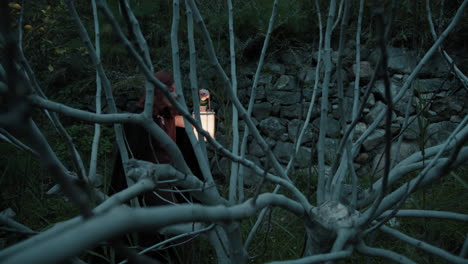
point(281, 235)
point(25, 184)
point(64, 70)
point(446, 194)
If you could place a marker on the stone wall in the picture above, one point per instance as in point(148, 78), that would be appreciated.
point(284, 92)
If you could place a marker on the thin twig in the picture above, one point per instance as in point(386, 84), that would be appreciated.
point(461, 76)
point(379, 11)
point(384, 253)
point(422, 245)
point(97, 127)
point(158, 246)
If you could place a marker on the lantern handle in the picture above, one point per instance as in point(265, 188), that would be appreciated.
point(209, 103)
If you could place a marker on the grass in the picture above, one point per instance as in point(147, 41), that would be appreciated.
point(25, 184)
point(445, 194)
point(24, 187)
point(281, 235)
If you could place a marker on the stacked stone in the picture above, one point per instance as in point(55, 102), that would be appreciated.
point(285, 89)
point(283, 97)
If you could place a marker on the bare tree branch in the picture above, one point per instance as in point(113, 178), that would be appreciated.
point(123, 220)
point(5, 220)
point(159, 245)
point(450, 62)
point(4, 135)
point(30, 77)
point(242, 112)
point(105, 81)
point(389, 111)
point(428, 214)
point(414, 73)
point(318, 258)
point(235, 116)
point(323, 183)
point(422, 245)
point(97, 127)
point(384, 253)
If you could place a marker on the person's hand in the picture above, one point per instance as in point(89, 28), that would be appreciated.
point(204, 94)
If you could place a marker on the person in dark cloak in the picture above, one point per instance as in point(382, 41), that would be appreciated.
point(143, 147)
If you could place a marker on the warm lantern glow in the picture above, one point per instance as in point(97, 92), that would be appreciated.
point(207, 120)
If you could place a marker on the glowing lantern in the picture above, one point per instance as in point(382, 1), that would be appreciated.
point(207, 120)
